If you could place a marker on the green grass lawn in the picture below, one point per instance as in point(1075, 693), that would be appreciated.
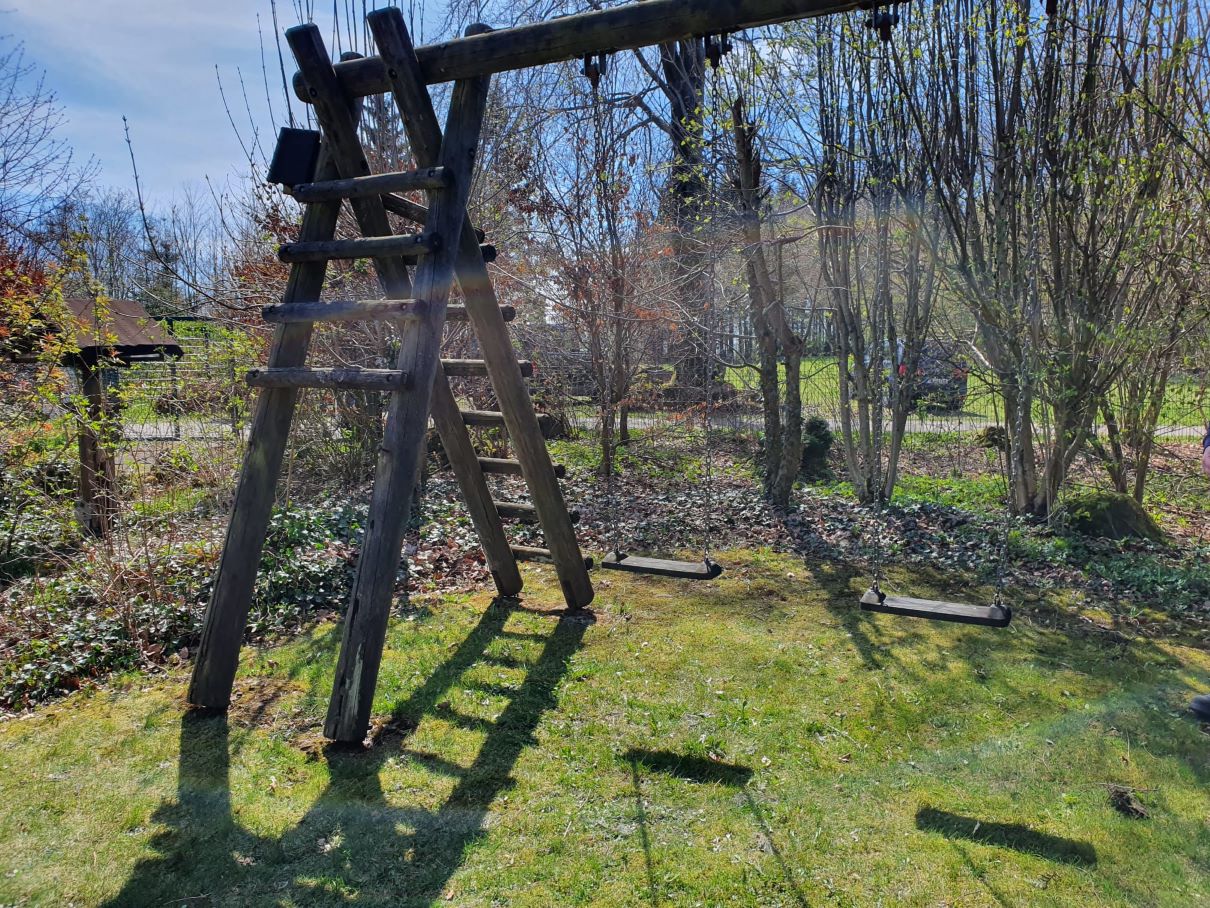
point(1186, 404)
point(756, 741)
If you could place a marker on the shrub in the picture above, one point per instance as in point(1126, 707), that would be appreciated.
point(816, 445)
point(1109, 515)
point(93, 620)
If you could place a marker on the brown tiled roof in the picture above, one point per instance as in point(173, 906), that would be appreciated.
point(122, 327)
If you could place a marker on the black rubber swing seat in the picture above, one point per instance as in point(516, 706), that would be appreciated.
point(662, 567)
point(874, 600)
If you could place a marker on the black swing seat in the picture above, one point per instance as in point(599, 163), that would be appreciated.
point(662, 567)
point(874, 600)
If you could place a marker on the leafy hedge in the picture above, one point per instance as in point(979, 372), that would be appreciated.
point(58, 633)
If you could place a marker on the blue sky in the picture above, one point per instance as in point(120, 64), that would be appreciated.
point(154, 62)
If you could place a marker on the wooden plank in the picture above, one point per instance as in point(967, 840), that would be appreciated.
point(495, 419)
point(415, 244)
point(525, 512)
point(511, 467)
point(662, 567)
point(934, 610)
point(345, 311)
point(618, 28)
point(414, 211)
point(458, 313)
point(478, 497)
point(533, 553)
point(516, 510)
point(375, 184)
point(464, 368)
point(352, 378)
point(522, 423)
point(231, 597)
point(408, 414)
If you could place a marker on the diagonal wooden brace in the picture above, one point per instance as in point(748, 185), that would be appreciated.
point(411, 95)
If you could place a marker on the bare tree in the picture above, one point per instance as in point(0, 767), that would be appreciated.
point(37, 167)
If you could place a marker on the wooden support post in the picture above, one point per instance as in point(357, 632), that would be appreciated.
point(98, 476)
point(227, 613)
point(408, 413)
point(407, 85)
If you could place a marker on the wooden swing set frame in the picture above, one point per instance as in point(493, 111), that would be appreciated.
point(446, 249)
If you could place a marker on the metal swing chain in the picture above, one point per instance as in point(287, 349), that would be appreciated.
point(593, 70)
point(720, 47)
point(880, 553)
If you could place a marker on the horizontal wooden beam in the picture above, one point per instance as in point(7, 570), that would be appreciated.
point(467, 368)
point(371, 247)
point(511, 467)
point(375, 184)
point(352, 379)
point(345, 311)
point(570, 37)
point(415, 212)
point(533, 553)
point(526, 513)
point(494, 419)
point(457, 313)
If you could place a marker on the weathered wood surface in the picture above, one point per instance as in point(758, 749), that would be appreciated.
point(525, 512)
point(934, 610)
point(516, 510)
point(499, 420)
point(465, 368)
point(518, 414)
point(662, 567)
point(231, 597)
point(511, 467)
point(461, 453)
point(534, 553)
point(407, 415)
point(345, 311)
point(374, 246)
point(98, 480)
point(375, 184)
point(458, 313)
point(571, 37)
point(350, 378)
point(414, 211)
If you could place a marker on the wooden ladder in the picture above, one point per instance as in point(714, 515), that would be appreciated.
point(447, 249)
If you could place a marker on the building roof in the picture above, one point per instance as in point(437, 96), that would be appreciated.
point(119, 329)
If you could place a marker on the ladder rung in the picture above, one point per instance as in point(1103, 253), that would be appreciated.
point(458, 313)
point(495, 418)
point(375, 184)
point(416, 212)
point(470, 367)
point(533, 553)
point(352, 379)
point(346, 311)
point(369, 247)
point(511, 467)
point(519, 510)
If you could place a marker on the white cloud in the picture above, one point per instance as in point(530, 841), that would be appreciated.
point(155, 63)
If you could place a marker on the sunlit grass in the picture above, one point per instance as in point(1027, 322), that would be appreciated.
point(756, 741)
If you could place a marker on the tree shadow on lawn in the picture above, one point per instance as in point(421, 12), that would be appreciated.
point(1016, 836)
point(352, 843)
point(701, 771)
